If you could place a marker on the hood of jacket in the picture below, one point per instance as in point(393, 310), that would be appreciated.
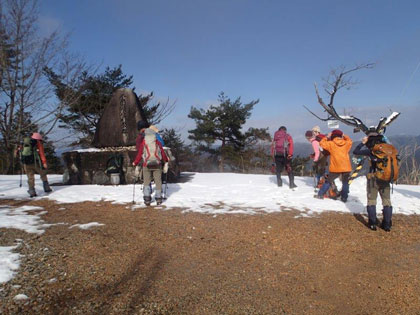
point(339, 141)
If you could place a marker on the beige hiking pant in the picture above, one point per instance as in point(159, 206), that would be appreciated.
point(30, 170)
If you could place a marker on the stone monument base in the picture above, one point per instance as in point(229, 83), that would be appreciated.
point(88, 166)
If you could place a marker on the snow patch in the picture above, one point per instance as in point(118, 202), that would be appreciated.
point(9, 263)
point(86, 226)
point(20, 297)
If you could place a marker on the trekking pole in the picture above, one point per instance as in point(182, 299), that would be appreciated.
point(21, 168)
point(166, 185)
point(134, 189)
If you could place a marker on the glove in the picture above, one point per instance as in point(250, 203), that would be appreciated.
point(137, 171)
point(44, 165)
point(165, 167)
point(289, 157)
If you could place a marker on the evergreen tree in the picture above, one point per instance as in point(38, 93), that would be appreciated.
point(219, 129)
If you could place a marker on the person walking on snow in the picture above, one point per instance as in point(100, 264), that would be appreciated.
point(34, 161)
point(375, 185)
point(152, 155)
point(282, 153)
point(338, 145)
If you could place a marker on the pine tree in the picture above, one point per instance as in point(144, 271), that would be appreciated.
point(219, 129)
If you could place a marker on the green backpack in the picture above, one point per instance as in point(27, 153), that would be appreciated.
point(114, 164)
point(28, 153)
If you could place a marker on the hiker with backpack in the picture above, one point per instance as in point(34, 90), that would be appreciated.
point(319, 157)
point(383, 171)
point(141, 127)
point(33, 158)
point(152, 155)
point(282, 153)
point(338, 145)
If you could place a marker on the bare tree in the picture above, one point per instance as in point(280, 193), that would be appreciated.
point(157, 112)
point(24, 91)
point(409, 165)
point(340, 78)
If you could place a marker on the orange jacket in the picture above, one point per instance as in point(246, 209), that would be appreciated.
point(339, 149)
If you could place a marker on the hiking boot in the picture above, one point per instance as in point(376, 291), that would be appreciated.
point(47, 187)
point(292, 181)
point(279, 182)
point(318, 197)
point(32, 192)
point(158, 201)
point(387, 215)
point(372, 227)
point(371, 211)
point(147, 200)
point(343, 199)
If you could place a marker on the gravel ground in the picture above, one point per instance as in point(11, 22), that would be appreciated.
point(167, 262)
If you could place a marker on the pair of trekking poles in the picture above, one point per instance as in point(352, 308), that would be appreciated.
point(138, 179)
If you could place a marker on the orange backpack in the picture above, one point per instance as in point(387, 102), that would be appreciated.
point(387, 167)
point(332, 192)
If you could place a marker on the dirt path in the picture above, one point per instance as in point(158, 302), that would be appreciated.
point(168, 262)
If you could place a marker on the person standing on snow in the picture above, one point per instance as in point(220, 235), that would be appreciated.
point(34, 161)
point(338, 145)
point(319, 158)
point(375, 185)
point(282, 153)
point(151, 152)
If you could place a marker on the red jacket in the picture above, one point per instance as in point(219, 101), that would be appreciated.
point(141, 148)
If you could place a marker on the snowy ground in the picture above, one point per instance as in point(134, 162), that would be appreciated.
point(222, 193)
point(211, 193)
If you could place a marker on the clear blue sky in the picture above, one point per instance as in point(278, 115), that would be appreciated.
point(273, 51)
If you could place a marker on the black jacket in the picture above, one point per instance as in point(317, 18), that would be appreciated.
point(361, 149)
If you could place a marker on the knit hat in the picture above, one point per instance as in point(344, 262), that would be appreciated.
point(336, 133)
point(141, 124)
point(36, 136)
point(316, 129)
point(309, 134)
point(283, 128)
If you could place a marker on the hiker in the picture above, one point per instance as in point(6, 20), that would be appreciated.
point(375, 184)
point(338, 145)
point(152, 155)
point(318, 157)
point(282, 153)
point(34, 161)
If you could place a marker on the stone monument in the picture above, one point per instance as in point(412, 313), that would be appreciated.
point(115, 136)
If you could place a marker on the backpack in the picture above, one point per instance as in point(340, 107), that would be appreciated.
point(114, 164)
point(152, 157)
point(322, 150)
point(28, 153)
point(281, 143)
point(387, 167)
point(332, 192)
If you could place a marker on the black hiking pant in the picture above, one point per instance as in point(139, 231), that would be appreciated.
point(282, 162)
